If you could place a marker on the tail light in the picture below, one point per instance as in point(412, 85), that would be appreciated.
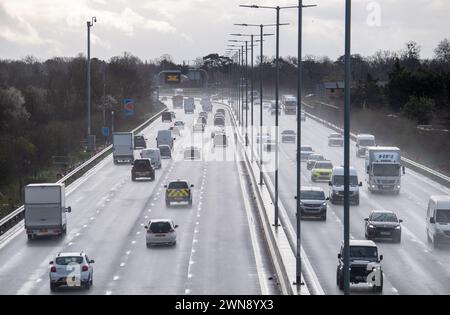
point(53, 269)
point(85, 268)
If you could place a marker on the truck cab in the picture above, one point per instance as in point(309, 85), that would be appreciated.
point(363, 141)
point(189, 105)
point(289, 104)
point(383, 169)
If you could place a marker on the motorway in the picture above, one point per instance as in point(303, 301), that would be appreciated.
point(219, 243)
point(412, 267)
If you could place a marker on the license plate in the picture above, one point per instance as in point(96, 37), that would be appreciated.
point(160, 235)
point(385, 233)
point(43, 231)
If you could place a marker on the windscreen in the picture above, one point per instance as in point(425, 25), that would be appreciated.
point(160, 227)
point(64, 261)
point(338, 180)
point(325, 165)
point(386, 169)
point(178, 185)
point(368, 252)
point(367, 143)
point(443, 216)
point(165, 151)
point(141, 164)
point(384, 217)
point(306, 149)
point(312, 195)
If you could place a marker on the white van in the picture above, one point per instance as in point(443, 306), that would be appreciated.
point(337, 185)
point(164, 138)
point(438, 220)
point(364, 141)
point(154, 155)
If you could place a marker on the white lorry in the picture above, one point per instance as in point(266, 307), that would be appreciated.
point(289, 103)
point(45, 210)
point(383, 169)
point(364, 141)
point(123, 147)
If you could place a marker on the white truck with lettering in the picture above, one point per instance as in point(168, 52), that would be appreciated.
point(45, 210)
point(383, 169)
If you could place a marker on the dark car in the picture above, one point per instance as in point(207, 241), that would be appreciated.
point(383, 224)
point(365, 265)
point(166, 117)
point(142, 168)
point(139, 142)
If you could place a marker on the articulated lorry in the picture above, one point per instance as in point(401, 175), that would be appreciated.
point(123, 147)
point(383, 169)
point(45, 210)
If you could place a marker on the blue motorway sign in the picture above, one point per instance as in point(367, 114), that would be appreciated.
point(128, 107)
point(105, 131)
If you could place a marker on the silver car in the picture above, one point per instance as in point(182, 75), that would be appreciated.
point(71, 269)
point(160, 232)
point(154, 155)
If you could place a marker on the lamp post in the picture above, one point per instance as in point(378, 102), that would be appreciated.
point(299, 91)
point(88, 81)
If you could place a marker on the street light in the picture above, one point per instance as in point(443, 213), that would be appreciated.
point(252, 83)
point(88, 81)
point(299, 104)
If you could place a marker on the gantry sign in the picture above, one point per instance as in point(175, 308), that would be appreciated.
point(172, 77)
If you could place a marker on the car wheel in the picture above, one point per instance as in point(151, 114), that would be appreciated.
point(167, 203)
point(398, 239)
point(429, 240)
point(148, 245)
point(30, 236)
point(174, 243)
point(341, 283)
point(133, 178)
point(435, 243)
point(324, 218)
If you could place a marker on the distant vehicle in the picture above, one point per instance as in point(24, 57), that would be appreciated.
point(305, 152)
point(161, 232)
point(142, 168)
point(154, 155)
point(270, 145)
point(438, 220)
point(288, 136)
point(264, 137)
point(313, 202)
point(175, 131)
point(272, 108)
point(179, 124)
point(255, 95)
point(165, 137)
point(206, 105)
point(139, 142)
point(202, 120)
point(383, 169)
point(192, 153)
point(364, 261)
point(383, 224)
point(198, 127)
point(174, 116)
point(189, 105)
point(219, 121)
point(312, 158)
point(266, 104)
point(45, 210)
point(364, 141)
point(123, 147)
point(203, 114)
point(289, 103)
point(220, 140)
point(178, 101)
point(164, 98)
point(179, 91)
point(302, 116)
point(178, 192)
point(337, 185)
point(71, 269)
point(221, 111)
point(321, 171)
point(335, 140)
point(166, 117)
point(217, 130)
point(166, 152)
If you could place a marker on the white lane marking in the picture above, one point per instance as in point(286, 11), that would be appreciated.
point(128, 252)
point(116, 278)
point(122, 264)
point(108, 292)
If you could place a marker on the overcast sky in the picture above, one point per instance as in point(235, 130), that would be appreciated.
point(187, 29)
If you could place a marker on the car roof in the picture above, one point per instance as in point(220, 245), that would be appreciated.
point(311, 188)
point(442, 201)
point(315, 154)
point(160, 220)
point(362, 243)
point(178, 181)
point(324, 162)
point(365, 136)
point(339, 170)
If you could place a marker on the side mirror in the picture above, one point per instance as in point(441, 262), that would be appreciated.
point(432, 221)
point(330, 183)
point(165, 186)
point(192, 186)
point(69, 209)
point(92, 261)
point(339, 256)
point(366, 219)
point(400, 221)
point(51, 263)
point(328, 198)
point(174, 139)
point(368, 169)
point(176, 226)
point(404, 170)
point(360, 184)
point(381, 257)
point(146, 227)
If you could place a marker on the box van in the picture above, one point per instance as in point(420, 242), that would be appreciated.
point(363, 141)
point(164, 137)
point(438, 220)
point(166, 117)
point(337, 185)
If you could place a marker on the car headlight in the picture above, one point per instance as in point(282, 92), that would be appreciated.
point(374, 186)
point(398, 227)
point(324, 204)
point(371, 226)
point(398, 187)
